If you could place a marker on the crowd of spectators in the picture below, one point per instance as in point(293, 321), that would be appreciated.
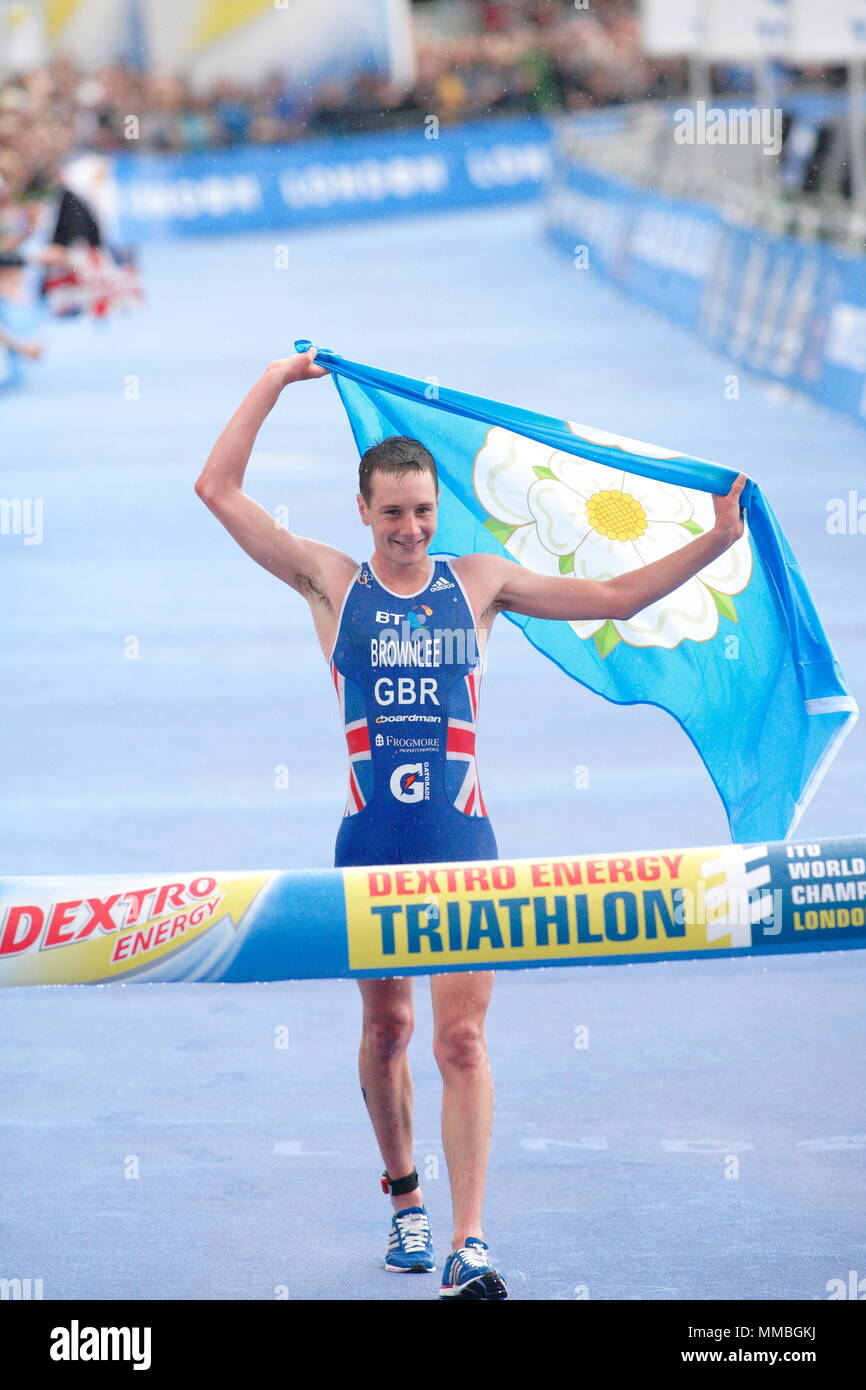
point(474, 60)
point(518, 57)
point(506, 58)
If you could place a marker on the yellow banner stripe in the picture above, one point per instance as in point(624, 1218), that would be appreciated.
point(58, 14)
point(218, 18)
point(543, 911)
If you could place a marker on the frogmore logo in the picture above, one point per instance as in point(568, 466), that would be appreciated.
point(411, 782)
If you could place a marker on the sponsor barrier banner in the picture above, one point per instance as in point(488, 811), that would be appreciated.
point(430, 918)
point(338, 179)
point(794, 311)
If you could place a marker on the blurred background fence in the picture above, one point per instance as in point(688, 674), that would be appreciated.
point(708, 156)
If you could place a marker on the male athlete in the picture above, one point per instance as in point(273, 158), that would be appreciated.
point(423, 805)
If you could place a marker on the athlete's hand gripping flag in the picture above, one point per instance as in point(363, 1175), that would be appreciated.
point(737, 654)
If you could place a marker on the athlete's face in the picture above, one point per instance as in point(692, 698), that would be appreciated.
point(401, 514)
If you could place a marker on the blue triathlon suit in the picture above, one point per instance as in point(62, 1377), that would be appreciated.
point(407, 668)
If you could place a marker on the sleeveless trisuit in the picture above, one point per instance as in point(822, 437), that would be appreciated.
point(407, 669)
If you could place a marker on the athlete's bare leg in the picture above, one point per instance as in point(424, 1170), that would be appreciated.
point(386, 1081)
point(459, 1007)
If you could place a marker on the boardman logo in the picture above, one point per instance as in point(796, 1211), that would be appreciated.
point(408, 718)
point(715, 125)
point(76, 1343)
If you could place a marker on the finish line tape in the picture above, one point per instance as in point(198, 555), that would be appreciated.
point(423, 919)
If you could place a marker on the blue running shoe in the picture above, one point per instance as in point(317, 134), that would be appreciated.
point(469, 1274)
point(410, 1249)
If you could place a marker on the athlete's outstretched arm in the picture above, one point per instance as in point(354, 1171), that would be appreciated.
point(294, 559)
point(543, 596)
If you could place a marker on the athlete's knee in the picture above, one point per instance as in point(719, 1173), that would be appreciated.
point(460, 1046)
point(386, 1032)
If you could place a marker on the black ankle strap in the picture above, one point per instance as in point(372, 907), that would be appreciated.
point(398, 1187)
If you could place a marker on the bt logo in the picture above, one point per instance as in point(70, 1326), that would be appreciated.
point(416, 616)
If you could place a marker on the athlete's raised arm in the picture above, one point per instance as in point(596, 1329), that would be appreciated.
point(307, 565)
point(520, 590)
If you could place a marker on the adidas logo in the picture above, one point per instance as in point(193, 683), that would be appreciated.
point(441, 583)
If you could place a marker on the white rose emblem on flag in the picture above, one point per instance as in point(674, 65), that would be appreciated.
point(559, 514)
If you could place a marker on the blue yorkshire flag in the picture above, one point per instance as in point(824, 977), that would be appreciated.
point(737, 654)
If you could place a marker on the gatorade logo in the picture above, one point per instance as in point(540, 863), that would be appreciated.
point(410, 782)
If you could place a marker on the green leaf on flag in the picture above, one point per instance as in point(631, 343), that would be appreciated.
point(500, 529)
point(566, 564)
point(542, 471)
point(606, 639)
point(693, 526)
point(724, 604)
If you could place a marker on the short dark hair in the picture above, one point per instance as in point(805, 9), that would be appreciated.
point(395, 455)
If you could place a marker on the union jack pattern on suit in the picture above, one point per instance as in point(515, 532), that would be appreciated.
point(357, 740)
point(461, 769)
point(407, 670)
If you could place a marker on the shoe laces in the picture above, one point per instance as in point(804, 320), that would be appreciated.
point(475, 1255)
point(414, 1230)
